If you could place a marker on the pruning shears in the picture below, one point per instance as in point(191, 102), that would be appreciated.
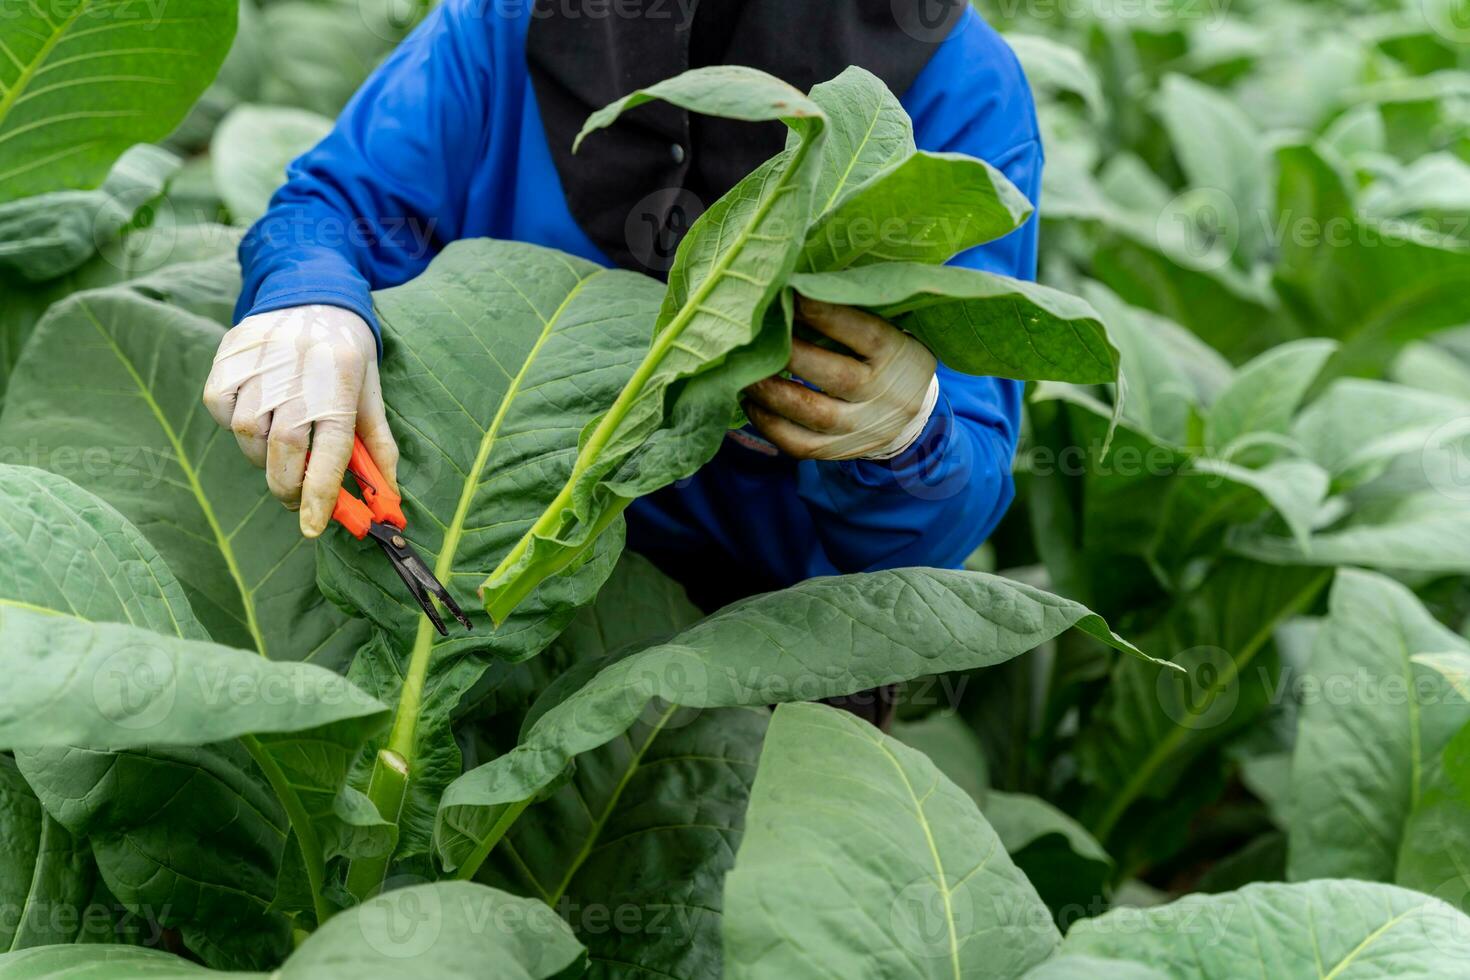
point(379, 515)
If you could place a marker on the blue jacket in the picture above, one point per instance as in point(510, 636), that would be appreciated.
point(444, 142)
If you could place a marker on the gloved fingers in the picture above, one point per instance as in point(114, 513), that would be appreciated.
point(792, 439)
point(836, 374)
point(237, 361)
point(219, 399)
point(331, 448)
point(810, 409)
point(864, 333)
point(286, 448)
point(250, 424)
point(372, 425)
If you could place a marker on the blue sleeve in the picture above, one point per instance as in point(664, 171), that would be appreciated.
point(371, 204)
point(936, 502)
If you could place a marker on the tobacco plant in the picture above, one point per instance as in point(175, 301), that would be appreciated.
point(223, 749)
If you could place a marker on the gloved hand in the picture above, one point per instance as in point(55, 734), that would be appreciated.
point(301, 380)
point(870, 407)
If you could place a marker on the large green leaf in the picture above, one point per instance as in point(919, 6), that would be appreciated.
point(448, 930)
point(1434, 855)
point(667, 799)
point(1420, 532)
point(978, 322)
point(1264, 395)
point(637, 606)
point(1357, 426)
point(924, 207)
point(188, 836)
point(727, 272)
point(868, 131)
point(1066, 865)
point(112, 685)
point(1148, 728)
point(859, 852)
point(82, 80)
point(821, 638)
point(1374, 286)
point(146, 253)
point(1221, 152)
point(1363, 746)
point(45, 872)
point(494, 360)
point(69, 552)
point(108, 656)
point(107, 393)
point(49, 235)
point(1168, 373)
point(250, 151)
point(1346, 930)
point(317, 54)
point(167, 707)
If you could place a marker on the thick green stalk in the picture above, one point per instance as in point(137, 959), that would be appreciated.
point(387, 788)
point(551, 518)
point(306, 838)
point(502, 825)
point(1176, 736)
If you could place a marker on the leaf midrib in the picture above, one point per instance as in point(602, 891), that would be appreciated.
point(47, 828)
point(222, 540)
point(664, 338)
point(405, 724)
point(29, 72)
point(1166, 746)
point(941, 878)
point(600, 821)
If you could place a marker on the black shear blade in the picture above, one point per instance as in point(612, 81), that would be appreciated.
point(416, 575)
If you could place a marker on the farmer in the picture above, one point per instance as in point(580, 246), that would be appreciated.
point(466, 131)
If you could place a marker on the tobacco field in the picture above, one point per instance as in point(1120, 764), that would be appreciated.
point(1199, 709)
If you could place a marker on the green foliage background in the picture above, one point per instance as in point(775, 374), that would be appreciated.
point(1244, 454)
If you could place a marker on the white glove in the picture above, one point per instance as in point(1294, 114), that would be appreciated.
point(873, 406)
point(301, 380)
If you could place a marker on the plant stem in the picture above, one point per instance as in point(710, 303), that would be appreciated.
point(503, 823)
point(306, 838)
point(387, 788)
point(1172, 740)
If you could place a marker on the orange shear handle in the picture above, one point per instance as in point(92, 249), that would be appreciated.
point(379, 502)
